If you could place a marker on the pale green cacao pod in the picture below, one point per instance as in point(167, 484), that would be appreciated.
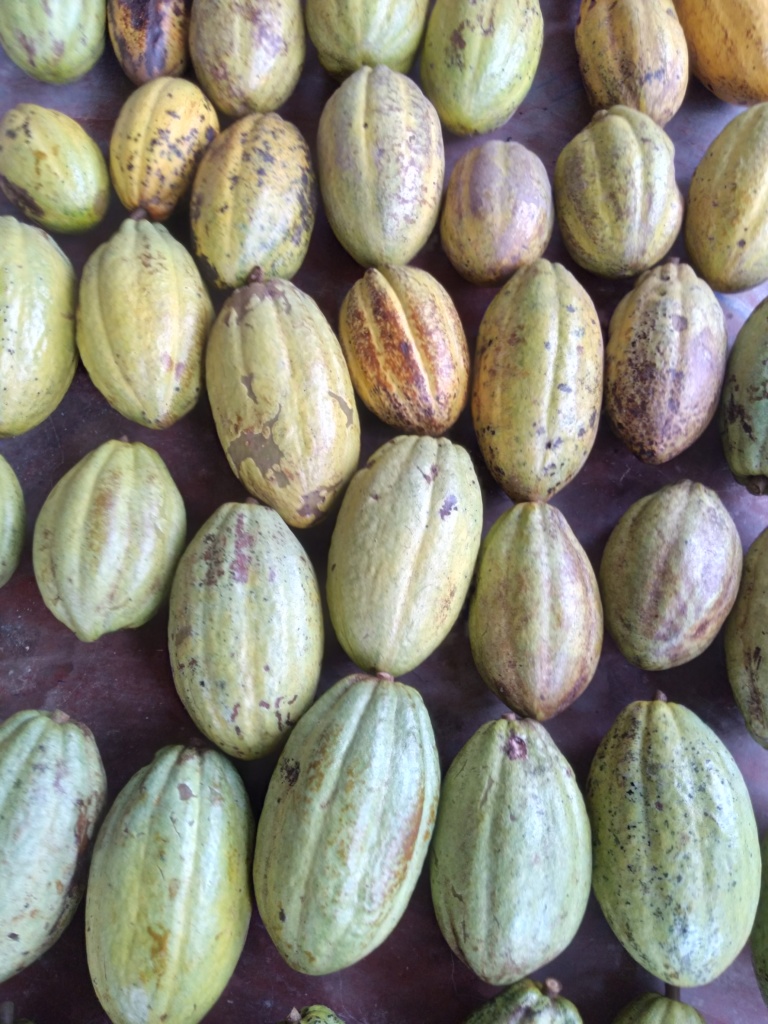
point(535, 1002)
point(675, 845)
point(746, 636)
point(54, 40)
point(52, 790)
point(38, 357)
point(758, 940)
point(245, 629)
point(742, 420)
point(175, 849)
point(346, 823)
point(12, 521)
point(403, 551)
point(651, 1008)
point(108, 538)
point(510, 773)
point(143, 316)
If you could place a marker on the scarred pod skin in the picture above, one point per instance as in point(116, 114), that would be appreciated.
point(508, 795)
point(168, 900)
point(245, 629)
point(150, 38)
point(143, 316)
point(38, 294)
point(406, 349)
point(745, 636)
point(535, 1002)
point(652, 1008)
point(479, 60)
point(616, 198)
point(253, 202)
point(288, 424)
point(403, 551)
point(535, 616)
point(538, 381)
point(53, 40)
point(108, 538)
point(381, 164)
point(669, 575)
point(12, 521)
point(742, 420)
point(52, 791)
point(346, 823)
point(675, 845)
point(160, 134)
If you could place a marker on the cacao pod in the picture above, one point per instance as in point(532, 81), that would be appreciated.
point(12, 521)
point(743, 424)
point(54, 41)
point(151, 38)
point(758, 940)
point(535, 1002)
point(655, 1009)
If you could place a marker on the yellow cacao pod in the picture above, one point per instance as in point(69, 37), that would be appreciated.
point(150, 39)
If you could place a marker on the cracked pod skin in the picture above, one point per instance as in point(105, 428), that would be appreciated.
point(651, 1008)
point(168, 901)
point(346, 823)
point(532, 1002)
point(55, 41)
point(151, 39)
point(245, 630)
point(12, 521)
point(282, 400)
point(675, 845)
point(742, 419)
point(503, 908)
point(52, 791)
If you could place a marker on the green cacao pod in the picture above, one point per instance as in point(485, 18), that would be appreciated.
point(508, 775)
point(161, 132)
point(665, 362)
point(538, 381)
point(381, 162)
point(52, 169)
point(38, 357)
point(143, 316)
point(175, 848)
point(616, 198)
point(53, 40)
point(348, 34)
point(498, 212)
point(108, 538)
point(247, 57)
point(313, 1015)
point(535, 1002)
point(651, 1008)
point(52, 790)
point(406, 349)
point(245, 629)
point(634, 53)
point(479, 60)
point(12, 521)
point(743, 424)
point(150, 39)
point(675, 845)
point(758, 940)
point(403, 551)
point(669, 575)
point(535, 616)
point(346, 823)
point(254, 200)
point(726, 223)
point(288, 424)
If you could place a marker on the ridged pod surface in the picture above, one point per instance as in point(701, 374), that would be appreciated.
point(758, 940)
point(313, 1015)
point(669, 575)
point(245, 629)
point(168, 900)
point(498, 213)
point(247, 56)
point(532, 1002)
point(652, 1008)
point(52, 790)
point(346, 823)
point(150, 39)
point(381, 164)
point(406, 349)
point(727, 42)
point(254, 200)
point(38, 295)
point(538, 381)
point(12, 521)
point(479, 60)
point(53, 40)
point(502, 907)
point(633, 52)
point(742, 419)
point(143, 316)
point(675, 845)
point(616, 197)
point(282, 400)
point(403, 551)
point(665, 362)
point(535, 616)
point(51, 169)
point(726, 223)
point(745, 636)
point(161, 132)
point(108, 538)
point(350, 33)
